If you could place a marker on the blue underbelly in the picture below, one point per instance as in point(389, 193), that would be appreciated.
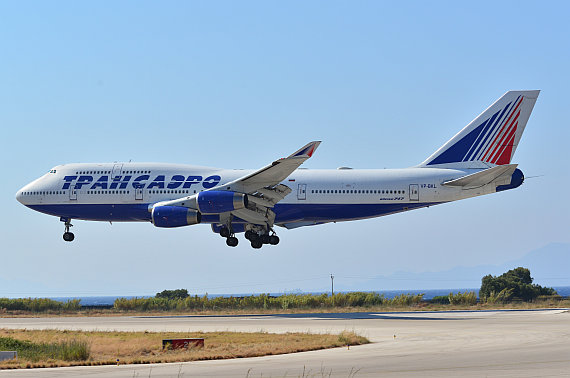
point(285, 213)
point(100, 212)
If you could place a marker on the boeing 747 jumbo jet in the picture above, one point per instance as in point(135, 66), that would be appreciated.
point(474, 162)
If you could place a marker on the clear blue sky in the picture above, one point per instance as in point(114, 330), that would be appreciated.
point(238, 84)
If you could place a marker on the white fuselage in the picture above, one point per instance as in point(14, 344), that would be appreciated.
point(126, 192)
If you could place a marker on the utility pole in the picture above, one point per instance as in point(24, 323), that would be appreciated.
point(332, 285)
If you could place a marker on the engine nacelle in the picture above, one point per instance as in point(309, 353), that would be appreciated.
point(219, 201)
point(174, 216)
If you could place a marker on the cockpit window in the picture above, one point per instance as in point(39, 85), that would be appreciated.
point(52, 171)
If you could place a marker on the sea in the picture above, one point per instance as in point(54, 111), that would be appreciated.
point(105, 301)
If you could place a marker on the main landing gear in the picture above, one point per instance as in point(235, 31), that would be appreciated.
point(257, 236)
point(67, 236)
point(259, 239)
point(231, 240)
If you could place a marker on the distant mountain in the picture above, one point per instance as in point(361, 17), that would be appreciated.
point(549, 266)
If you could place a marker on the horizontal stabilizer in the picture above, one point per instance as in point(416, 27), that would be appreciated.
point(485, 177)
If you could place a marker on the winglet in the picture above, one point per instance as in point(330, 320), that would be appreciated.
point(307, 150)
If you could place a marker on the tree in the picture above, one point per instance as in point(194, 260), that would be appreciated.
point(173, 294)
point(517, 282)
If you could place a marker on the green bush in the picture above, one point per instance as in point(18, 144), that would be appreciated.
point(514, 284)
point(503, 296)
point(441, 299)
point(467, 298)
point(38, 304)
point(173, 294)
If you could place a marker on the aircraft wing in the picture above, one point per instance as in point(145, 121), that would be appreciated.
point(264, 186)
point(272, 174)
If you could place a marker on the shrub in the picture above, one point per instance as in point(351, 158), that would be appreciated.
point(38, 304)
point(467, 298)
point(173, 294)
point(519, 284)
point(441, 299)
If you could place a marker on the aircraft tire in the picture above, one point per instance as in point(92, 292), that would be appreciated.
point(265, 239)
point(232, 241)
point(224, 232)
point(68, 236)
point(256, 244)
point(274, 240)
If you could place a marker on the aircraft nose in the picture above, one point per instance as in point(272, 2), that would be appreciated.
point(19, 196)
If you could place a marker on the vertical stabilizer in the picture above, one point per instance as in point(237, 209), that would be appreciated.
point(490, 138)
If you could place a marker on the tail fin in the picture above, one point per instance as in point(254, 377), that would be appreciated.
point(492, 137)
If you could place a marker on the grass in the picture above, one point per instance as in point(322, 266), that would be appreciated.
point(289, 304)
point(65, 350)
point(51, 348)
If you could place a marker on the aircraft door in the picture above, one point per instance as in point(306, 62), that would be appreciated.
point(414, 192)
point(72, 193)
point(117, 168)
point(302, 192)
point(139, 194)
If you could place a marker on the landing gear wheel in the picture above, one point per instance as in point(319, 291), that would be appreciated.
point(232, 241)
point(68, 236)
point(256, 243)
point(265, 239)
point(249, 234)
point(274, 240)
point(224, 232)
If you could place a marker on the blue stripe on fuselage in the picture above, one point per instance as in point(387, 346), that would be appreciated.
point(98, 212)
point(285, 213)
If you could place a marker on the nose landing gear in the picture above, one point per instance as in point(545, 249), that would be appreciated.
point(67, 236)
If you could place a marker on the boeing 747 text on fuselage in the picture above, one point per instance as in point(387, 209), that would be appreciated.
point(474, 162)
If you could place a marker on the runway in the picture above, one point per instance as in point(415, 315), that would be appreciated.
point(510, 343)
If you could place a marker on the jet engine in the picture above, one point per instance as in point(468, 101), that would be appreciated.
point(174, 216)
point(218, 201)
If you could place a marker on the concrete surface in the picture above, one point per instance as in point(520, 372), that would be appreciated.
point(532, 343)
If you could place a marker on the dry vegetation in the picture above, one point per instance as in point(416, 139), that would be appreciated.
point(423, 306)
point(264, 304)
point(146, 347)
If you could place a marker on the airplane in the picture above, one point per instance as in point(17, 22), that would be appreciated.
point(475, 162)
